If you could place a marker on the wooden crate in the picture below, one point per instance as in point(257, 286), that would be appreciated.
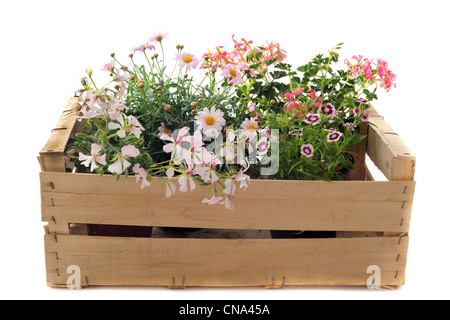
point(372, 219)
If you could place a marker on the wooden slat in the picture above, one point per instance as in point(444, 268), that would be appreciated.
point(222, 262)
point(388, 151)
point(290, 205)
point(52, 154)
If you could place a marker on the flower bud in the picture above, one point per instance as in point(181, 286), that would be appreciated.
point(117, 87)
point(167, 107)
point(194, 104)
point(273, 102)
point(155, 55)
point(132, 100)
point(132, 77)
point(141, 84)
point(113, 55)
point(186, 75)
point(159, 88)
point(194, 111)
point(131, 55)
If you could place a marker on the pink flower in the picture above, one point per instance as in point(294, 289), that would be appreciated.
point(207, 173)
point(334, 136)
point(228, 202)
point(109, 66)
point(313, 119)
point(214, 200)
point(122, 164)
point(307, 150)
point(250, 127)
point(143, 47)
point(365, 117)
point(94, 158)
point(163, 130)
point(159, 37)
point(187, 178)
point(131, 124)
point(328, 110)
point(170, 190)
point(187, 60)
point(233, 74)
point(210, 122)
point(175, 147)
point(141, 174)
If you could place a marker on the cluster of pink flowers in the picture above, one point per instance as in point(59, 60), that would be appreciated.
point(243, 59)
point(375, 70)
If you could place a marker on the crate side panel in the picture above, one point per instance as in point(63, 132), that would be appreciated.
point(214, 262)
point(340, 206)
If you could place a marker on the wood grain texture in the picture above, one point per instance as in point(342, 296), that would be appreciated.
point(387, 150)
point(52, 154)
point(266, 205)
point(223, 262)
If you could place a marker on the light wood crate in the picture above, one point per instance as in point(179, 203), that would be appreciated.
point(372, 219)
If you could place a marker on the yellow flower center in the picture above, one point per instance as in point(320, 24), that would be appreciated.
point(142, 45)
point(187, 59)
point(167, 131)
point(233, 73)
point(251, 127)
point(210, 121)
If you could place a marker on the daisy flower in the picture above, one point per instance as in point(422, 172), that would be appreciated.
point(249, 127)
point(142, 48)
point(187, 60)
point(211, 121)
point(158, 37)
point(307, 150)
point(109, 66)
point(233, 74)
point(163, 130)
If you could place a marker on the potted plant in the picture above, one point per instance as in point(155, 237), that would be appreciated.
point(250, 116)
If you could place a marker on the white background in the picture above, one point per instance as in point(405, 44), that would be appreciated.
point(46, 45)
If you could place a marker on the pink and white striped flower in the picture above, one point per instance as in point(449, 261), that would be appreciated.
point(313, 119)
point(141, 174)
point(122, 164)
point(365, 117)
point(307, 150)
point(94, 158)
point(334, 136)
point(328, 110)
point(214, 200)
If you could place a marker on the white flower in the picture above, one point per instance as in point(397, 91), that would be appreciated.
point(210, 122)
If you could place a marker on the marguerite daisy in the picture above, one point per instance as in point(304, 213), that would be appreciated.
point(210, 122)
